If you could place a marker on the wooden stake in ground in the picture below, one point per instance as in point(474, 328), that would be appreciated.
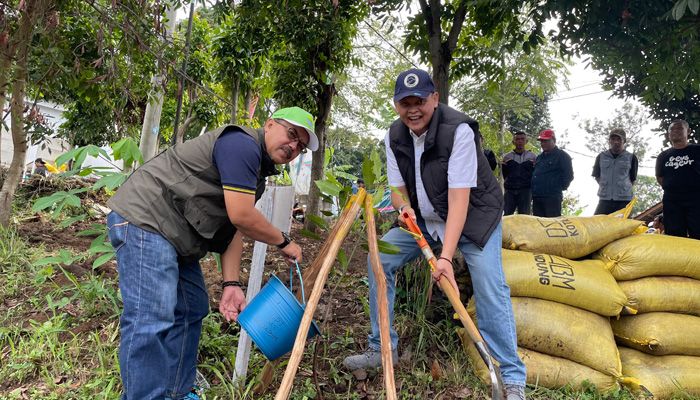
point(309, 277)
point(387, 359)
point(328, 260)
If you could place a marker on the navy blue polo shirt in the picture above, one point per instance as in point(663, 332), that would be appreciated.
point(237, 157)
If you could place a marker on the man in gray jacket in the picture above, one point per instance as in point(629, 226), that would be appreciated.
point(193, 198)
point(615, 170)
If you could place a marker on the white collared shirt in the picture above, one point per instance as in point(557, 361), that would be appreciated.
point(461, 173)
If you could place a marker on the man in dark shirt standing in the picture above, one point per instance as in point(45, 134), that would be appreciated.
point(615, 170)
point(678, 173)
point(517, 175)
point(552, 175)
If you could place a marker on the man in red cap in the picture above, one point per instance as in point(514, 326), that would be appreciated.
point(552, 175)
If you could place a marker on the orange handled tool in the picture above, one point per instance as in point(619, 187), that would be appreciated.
point(497, 392)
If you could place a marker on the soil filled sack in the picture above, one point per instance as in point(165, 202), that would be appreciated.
point(639, 256)
point(567, 332)
point(583, 284)
point(660, 333)
point(663, 376)
point(544, 370)
point(663, 293)
point(570, 237)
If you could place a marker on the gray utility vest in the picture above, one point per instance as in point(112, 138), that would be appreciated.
point(614, 183)
point(178, 194)
point(485, 200)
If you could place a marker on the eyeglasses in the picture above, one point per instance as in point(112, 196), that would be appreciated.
point(293, 136)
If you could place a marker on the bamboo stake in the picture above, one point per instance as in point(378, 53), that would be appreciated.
point(328, 260)
point(387, 359)
point(311, 272)
point(309, 277)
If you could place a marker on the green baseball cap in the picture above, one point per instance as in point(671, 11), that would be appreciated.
point(301, 118)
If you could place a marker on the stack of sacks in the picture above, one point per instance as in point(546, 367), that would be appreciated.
point(562, 306)
point(661, 277)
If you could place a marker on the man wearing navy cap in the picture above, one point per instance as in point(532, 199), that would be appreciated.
point(442, 179)
point(552, 176)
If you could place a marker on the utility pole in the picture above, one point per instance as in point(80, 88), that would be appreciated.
point(151, 119)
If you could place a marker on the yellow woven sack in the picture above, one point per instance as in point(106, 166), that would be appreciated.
point(625, 212)
point(583, 284)
point(663, 293)
point(663, 376)
point(660, 333)
point(651, 255)
point(570, 237)
point(564, 331)
point(543, 370)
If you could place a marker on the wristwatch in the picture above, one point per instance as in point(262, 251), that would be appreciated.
point(286, 241)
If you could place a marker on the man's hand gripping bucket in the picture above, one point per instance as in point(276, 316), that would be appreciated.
point(273, 317)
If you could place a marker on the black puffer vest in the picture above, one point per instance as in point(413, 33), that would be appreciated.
point(485, 200)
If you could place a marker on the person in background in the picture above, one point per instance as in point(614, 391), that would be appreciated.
point(443, 181)
point(615, 170)
point(678, 173)
point(357, 185)
point(490, 155)
point(517, 168)
point(552, 175)
point(40, 167)
point(193, 198)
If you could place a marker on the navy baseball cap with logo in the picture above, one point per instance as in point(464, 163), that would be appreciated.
point(414, 82)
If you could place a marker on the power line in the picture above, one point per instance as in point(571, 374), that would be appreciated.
point(579, 95)
point(390, 44)
point(579, 87)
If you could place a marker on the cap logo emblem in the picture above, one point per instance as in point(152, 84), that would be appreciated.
point(411, 80)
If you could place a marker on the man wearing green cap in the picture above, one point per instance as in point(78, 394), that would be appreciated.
point(193, 198)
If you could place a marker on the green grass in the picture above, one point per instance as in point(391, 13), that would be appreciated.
point(59, 338)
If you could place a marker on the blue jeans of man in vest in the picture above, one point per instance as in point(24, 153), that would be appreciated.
point(165, 300)
point(491, 292)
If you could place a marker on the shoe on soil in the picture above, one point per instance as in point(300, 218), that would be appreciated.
point(515, 392)
point(368, 359)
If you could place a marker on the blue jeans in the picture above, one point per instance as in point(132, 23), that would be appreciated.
point(491, 292)
point(165, 300)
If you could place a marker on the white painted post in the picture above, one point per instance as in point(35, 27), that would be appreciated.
point(276, 205)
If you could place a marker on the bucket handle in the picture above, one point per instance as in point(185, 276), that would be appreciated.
point(301, 280)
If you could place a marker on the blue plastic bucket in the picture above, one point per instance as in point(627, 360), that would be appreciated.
point(272, 319)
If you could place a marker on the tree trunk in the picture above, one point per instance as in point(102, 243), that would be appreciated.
point(441, 51)
point(5, 61)
point(34, 11)
point(235, 93)
point(441, 75)
point(183, 128)
point(324, 109)
point(246, 103)
point(151, 121)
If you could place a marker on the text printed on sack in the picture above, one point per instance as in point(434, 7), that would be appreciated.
point(554, 271)
point(558, 228)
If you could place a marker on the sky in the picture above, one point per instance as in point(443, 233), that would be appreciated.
point(587, 99)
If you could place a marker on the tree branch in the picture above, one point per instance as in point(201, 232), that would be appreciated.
point(456, 28)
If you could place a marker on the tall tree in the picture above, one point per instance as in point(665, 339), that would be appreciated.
point(524, 79)
point(633, 119)
point(315, 47)
point(32, 17)
point(455, 38)
point(646, 49)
